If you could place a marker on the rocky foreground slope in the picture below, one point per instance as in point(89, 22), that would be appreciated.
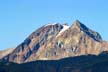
point(88, 63)
point(56, 41)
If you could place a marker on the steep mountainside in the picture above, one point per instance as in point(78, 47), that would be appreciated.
point(56, 41)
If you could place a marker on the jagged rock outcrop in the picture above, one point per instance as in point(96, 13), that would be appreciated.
point(56, 41)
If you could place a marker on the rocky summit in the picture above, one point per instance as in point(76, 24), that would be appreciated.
point(56, 41)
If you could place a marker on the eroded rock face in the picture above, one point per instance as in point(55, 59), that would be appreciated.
point(57, 41)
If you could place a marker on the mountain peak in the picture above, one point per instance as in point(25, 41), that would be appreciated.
point(76, 24)
point(56, 41)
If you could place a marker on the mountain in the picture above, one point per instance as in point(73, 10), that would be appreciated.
point(57, 41)
point(5, 52)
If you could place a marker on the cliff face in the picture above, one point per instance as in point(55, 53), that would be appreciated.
point(56, 41)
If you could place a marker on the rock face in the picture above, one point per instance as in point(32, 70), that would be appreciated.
point(56, 41)
point(5, 52)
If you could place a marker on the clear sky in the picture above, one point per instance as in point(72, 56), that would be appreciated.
point(19, 18)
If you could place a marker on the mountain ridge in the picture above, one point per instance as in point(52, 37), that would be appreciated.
point(46, 44)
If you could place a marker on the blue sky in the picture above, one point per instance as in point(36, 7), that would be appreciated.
point(19, 18)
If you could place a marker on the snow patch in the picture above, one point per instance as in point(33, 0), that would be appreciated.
point(65, 27)
point(50, 24)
